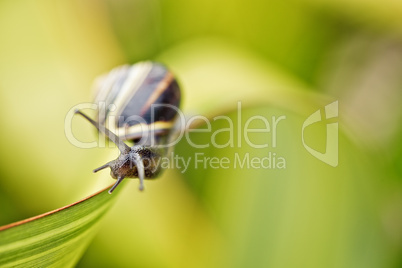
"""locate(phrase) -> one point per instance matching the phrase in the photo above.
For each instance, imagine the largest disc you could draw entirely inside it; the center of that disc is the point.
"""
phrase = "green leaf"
(54, 239)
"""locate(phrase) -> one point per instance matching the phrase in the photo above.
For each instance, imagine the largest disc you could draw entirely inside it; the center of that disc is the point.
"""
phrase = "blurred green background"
(278, 58)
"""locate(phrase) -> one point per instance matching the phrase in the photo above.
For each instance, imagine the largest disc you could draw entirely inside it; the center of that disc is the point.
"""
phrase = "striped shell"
(133, 98)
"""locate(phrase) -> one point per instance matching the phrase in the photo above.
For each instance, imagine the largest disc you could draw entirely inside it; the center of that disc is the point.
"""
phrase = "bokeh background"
(278, 58)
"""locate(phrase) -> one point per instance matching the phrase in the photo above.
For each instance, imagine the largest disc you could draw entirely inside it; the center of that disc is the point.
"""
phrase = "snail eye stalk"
(124, 148)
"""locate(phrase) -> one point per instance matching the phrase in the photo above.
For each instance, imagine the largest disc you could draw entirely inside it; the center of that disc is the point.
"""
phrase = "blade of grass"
(54, 239)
